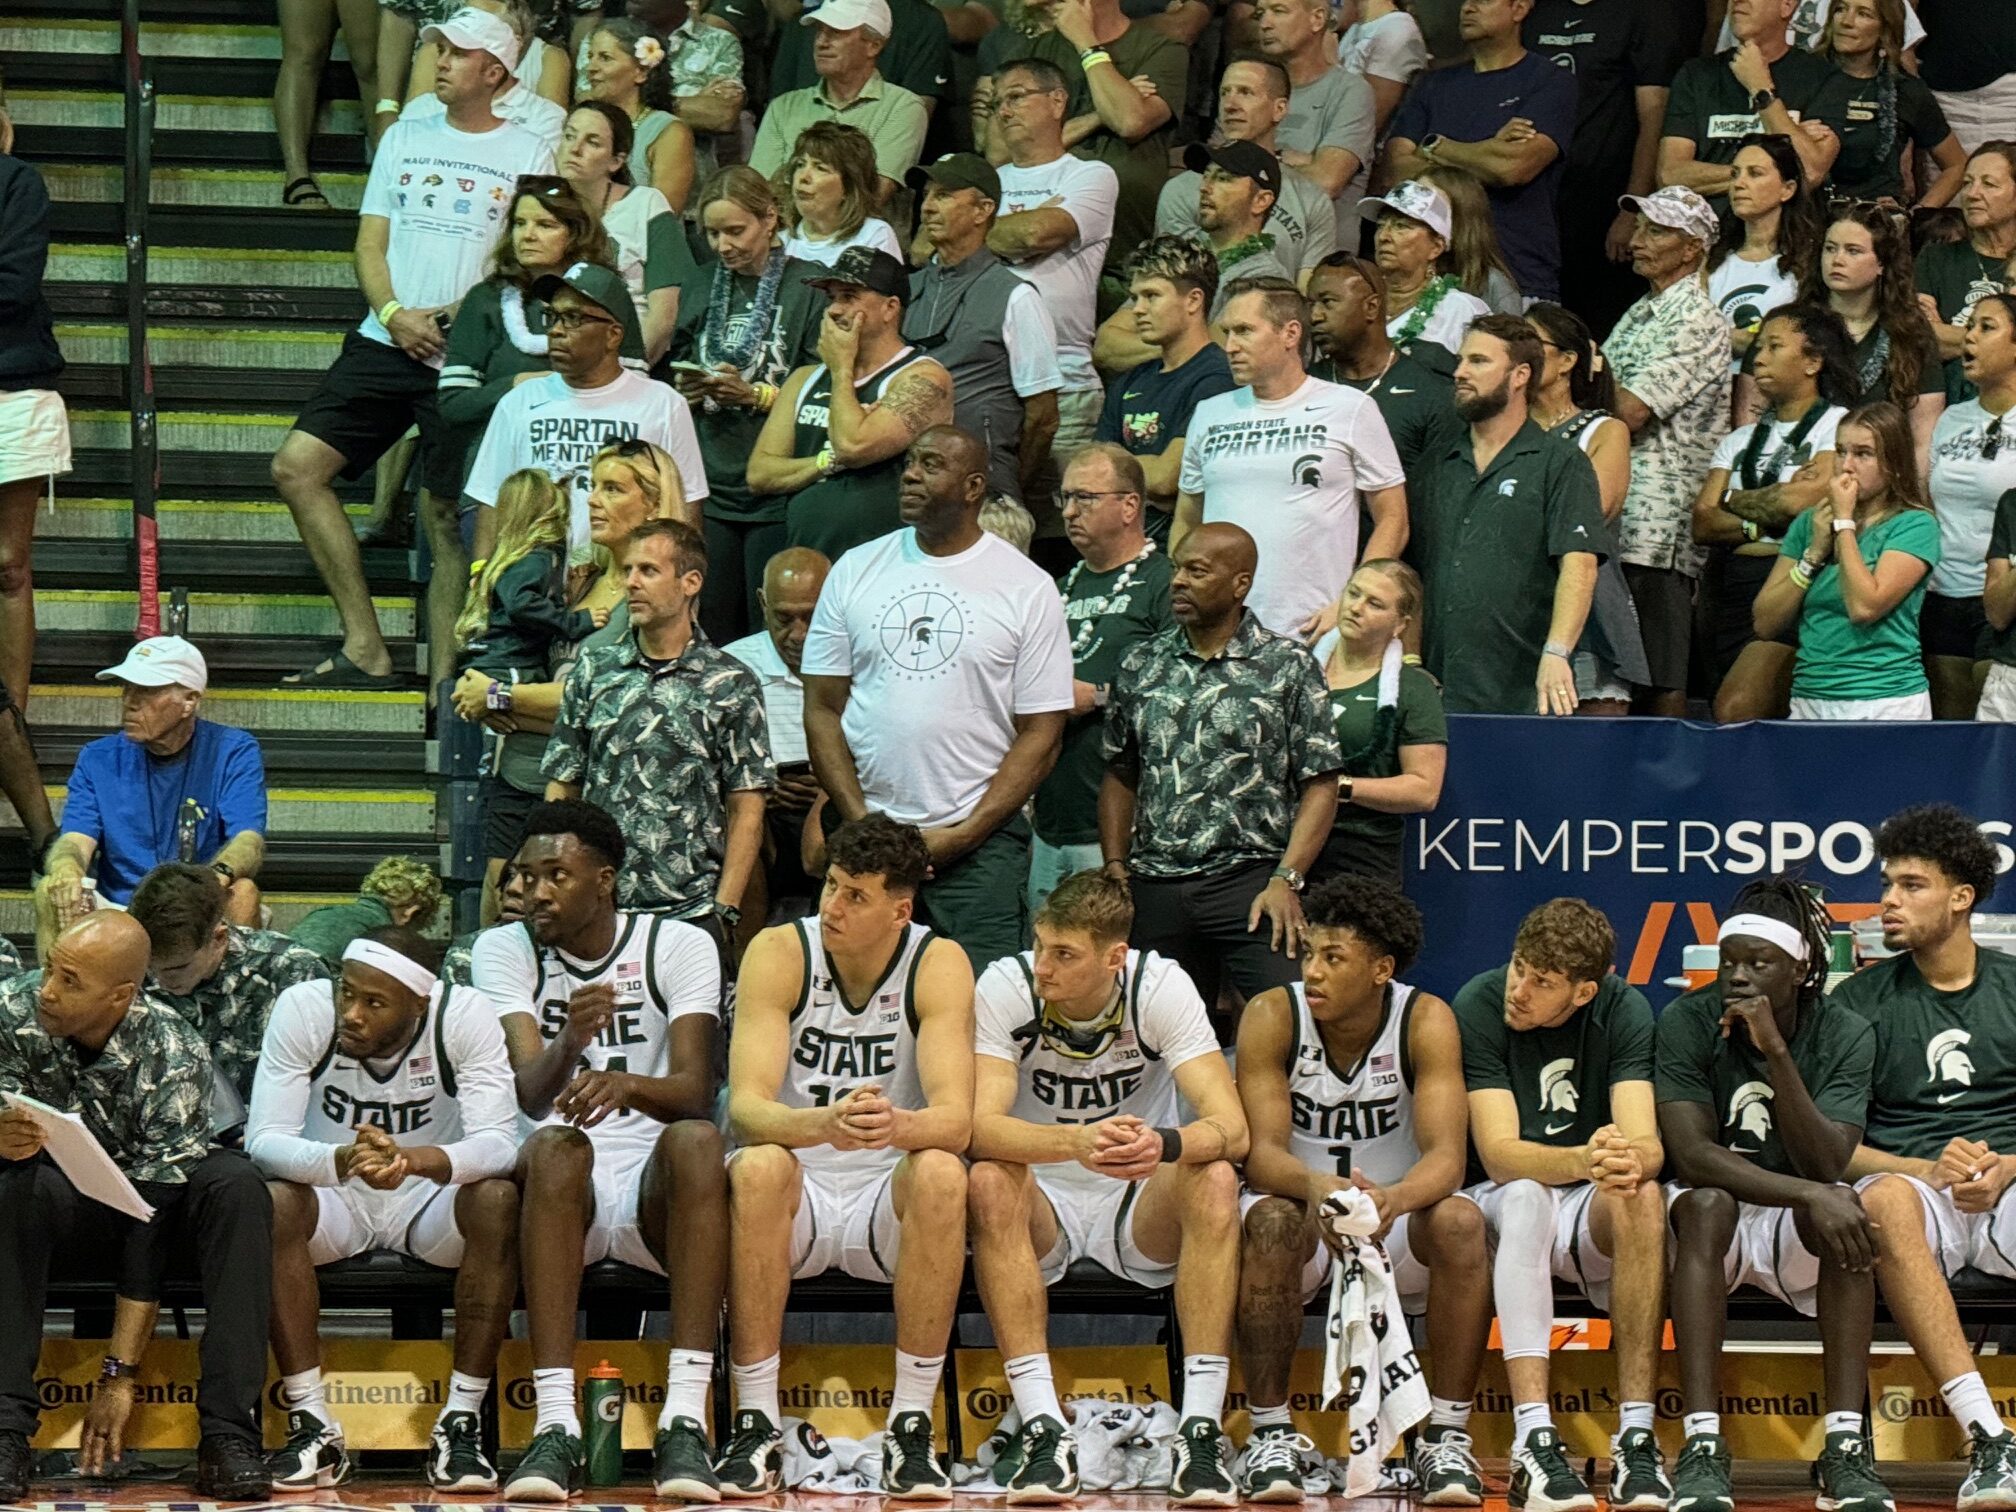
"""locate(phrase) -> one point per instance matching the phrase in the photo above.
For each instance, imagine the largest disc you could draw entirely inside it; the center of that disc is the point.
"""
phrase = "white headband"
(400, 968)
(1784, 936)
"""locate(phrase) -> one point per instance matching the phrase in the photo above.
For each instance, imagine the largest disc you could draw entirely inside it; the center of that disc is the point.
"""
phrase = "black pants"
(1200, 924)
(737, 553)
(220, 1225)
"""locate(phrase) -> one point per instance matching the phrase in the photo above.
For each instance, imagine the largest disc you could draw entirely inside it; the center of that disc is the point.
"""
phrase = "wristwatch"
(730, 914)
(225, 870)
(497, 698)
(1761, 100)
(1841, 525)
(1344, 788)
(113, 1369)
(1295, 880)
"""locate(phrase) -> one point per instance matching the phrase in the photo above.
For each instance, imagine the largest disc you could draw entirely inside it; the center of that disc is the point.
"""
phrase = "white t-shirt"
(1447, 324)
(1289, 472)
(544, 423)
(1746, 292)
(1819, 439)
(873, 232)
(1031, 338)
(521, 105)
(447, 194)
(1965, 488)
(628, 223)
(1068, 279)
(783, 695)
(1388, 48)
(944, 652)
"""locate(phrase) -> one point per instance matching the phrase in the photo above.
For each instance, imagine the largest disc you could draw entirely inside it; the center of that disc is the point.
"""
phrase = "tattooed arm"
(918, 399)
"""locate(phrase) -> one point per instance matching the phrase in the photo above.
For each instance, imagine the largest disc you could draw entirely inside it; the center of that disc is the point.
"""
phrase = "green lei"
(1245, 247)
(1424, 308)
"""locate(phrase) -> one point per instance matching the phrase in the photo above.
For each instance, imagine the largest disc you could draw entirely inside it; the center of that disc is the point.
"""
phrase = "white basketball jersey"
(1361, 1119)
(837, 1045)
(412, 1095)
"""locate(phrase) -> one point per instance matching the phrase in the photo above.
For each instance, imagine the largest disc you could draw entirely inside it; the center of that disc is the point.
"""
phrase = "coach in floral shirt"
(1670, 357)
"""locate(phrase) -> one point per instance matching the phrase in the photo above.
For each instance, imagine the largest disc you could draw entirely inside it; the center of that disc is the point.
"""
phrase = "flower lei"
(1423, 310)
(1083, 637)
(742, 354)
(511, 303)
(1245, 247)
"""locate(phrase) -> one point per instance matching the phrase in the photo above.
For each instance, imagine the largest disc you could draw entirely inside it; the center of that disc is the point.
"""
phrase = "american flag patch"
(1382, 1063)
(1124, 1040)
(421, 1065)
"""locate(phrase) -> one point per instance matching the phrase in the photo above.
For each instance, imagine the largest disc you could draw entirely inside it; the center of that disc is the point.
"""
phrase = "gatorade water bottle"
(602, 1399)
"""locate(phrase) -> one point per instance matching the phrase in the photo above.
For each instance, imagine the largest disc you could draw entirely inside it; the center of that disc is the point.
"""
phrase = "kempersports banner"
(1659, 822)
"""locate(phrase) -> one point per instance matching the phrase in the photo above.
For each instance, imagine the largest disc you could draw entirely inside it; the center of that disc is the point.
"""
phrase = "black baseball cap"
(958, 170)
(866, 268)
(1241, 159)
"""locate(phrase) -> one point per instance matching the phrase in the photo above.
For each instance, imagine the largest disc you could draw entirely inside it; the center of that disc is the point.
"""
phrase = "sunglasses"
(544, 185)
(1991, 440)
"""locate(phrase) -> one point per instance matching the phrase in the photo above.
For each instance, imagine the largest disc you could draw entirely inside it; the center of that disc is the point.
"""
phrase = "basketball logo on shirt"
(921, 631)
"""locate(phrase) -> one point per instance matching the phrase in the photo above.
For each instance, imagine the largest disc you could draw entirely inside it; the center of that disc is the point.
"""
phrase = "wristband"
(1841, 525)
(1410, 660)
(476, 567)
(387, 310)
(1172, 1145)
(826, 462)
(766, 397)
(1751, 530)
(498, 698)
(1801, 576)
(1093, 55)
(1555, 648)
(386, 107)
(112, 1369)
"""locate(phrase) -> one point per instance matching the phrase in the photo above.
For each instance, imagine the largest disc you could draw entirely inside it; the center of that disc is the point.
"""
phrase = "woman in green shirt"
(1389, 722)
(1851, 575)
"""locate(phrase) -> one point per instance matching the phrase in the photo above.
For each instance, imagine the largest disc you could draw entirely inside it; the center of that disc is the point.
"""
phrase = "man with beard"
(1347, 316)
(1508, 534)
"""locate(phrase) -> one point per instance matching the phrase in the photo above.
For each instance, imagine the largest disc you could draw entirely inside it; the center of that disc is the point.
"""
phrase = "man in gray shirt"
(1332, 118)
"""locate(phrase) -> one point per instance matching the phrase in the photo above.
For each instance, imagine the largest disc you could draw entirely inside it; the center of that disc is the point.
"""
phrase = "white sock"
(916, 1384)
(1843, 1422)
(1035, 1389)
(1968, 1400)
(688, 1374)
(466, 1393)
(1634, 1415)
(1270, 1417)
(302, 1392)
(1694, 1424)
(1526, 1417)
(1204, 1379)
(756, 1388)
(1447, 1412)
(554, 1392)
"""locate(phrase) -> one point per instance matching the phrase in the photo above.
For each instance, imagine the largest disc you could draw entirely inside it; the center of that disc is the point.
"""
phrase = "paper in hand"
(77, 1153)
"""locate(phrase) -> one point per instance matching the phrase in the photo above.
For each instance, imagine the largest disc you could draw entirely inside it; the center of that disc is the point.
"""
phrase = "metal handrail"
(145, 442)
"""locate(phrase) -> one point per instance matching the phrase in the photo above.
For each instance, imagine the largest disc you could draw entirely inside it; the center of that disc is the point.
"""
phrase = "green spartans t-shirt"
(1365, 841)
(1958, 277)
(1560, 1077)
(1945, 1061)
(1833, 1051)
(1841, 659)
(1712, 110)
(1417, 403)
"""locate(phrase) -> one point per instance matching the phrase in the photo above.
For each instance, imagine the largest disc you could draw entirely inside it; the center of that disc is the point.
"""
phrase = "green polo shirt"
(1833, 1051)
(892, 117)
(1489, 548)
(1417, 403)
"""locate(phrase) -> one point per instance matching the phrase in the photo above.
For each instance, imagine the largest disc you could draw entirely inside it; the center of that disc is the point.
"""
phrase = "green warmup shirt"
(1560, 1077)
(1841, 659)
(2002, 543)
(328, 931)
(1833, 1050)
(1363, 841)
(1417, 403)
(1945, 1061)
(1958, 278)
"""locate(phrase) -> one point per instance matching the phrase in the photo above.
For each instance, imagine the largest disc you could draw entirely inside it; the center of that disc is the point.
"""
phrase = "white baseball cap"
(165, 661)
(846, 15)
(478, 31)
(1415, 200)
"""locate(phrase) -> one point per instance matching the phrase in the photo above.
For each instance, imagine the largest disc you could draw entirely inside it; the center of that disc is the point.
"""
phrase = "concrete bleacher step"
(213, 188)
(219, 614)
(312, 811)
(95, 706)
(263, 349)
(158, 39)
(208, 434)
(106, 110)
(208, 267)
(213, 520)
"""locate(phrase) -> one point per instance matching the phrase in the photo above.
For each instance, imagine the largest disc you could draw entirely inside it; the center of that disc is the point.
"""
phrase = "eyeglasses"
(1081, 498)
(1017, 96)
(570, 320)
(545, 185)
(1991, 440)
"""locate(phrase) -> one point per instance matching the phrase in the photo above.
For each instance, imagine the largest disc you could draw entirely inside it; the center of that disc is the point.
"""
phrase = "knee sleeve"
(1522, 1271)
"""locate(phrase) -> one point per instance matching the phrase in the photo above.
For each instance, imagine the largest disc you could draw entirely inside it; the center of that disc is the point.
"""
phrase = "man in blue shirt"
(169, 786)
(1505, 119)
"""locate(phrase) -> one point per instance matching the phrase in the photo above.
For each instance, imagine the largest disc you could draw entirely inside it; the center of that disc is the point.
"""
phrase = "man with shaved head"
(937, 682)
(79, 1038)
(1221, 776)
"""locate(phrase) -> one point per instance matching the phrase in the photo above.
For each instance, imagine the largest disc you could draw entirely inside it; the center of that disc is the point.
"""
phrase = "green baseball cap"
(602, 287)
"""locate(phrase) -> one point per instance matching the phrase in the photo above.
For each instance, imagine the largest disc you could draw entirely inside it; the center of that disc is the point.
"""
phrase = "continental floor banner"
(1659, 822)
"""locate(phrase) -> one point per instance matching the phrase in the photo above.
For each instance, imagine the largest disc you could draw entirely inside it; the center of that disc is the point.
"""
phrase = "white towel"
(814, 1462)
(1369, 1365)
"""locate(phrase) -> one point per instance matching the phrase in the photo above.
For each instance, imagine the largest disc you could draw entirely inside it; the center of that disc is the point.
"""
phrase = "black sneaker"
(231, 1469)
(455, 1457)
(1543, 1480)
(1637, 1473)
(312, 1459)
(1701, 1480)
(17, 1466)
(1271, 1468)
(682, 1463)
(1991, 1478)
(1846, 1476)
(553, 1469)
(752, 1461)
(1048, 1471)
(1002, 1455)
(1445, 1468)
(1199, 1477)
(910, 1467)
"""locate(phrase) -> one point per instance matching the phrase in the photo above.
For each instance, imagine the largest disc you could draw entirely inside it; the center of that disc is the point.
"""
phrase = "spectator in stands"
(1393, 739)
(1221, 776)
(219, 976)
(704, 57)
(949, 731)
(1763, 85)
(1973, 466)
(1670, 358)
(1506, 119)
(666, 731)
(1331, 124)
(1998, 605)
(398, 890)
(1383, 45)
(751, 321)
(1427, 309)
(83, 1038)
(626, 67)
(918, 55)
(1969, 59)
(1295, 485)
(1005, 517)
(850, 37)
(1509, 534)
(34, 427)
(1172, 285)
(456, 963)
(647, 241)
(1115, 597)
(406, 73)
(1347, 319)
(518, 98)
(1623, 58)
(985, 323)
(1851, 577)
(307, 27)
(560, 421)
(1891, 116)
(420, 248)
(1056, 227)
(1771, 237)
(1474, 255)
(791, 583)
(21, 781)
(830, 187)
(836, 437)
(1953, 276)
(169, 785)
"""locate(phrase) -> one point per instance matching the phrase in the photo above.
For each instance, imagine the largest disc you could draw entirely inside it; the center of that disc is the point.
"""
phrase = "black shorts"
(1665, 600)
(367, 400)
(1733, 583)
(505, 810)
(1953, 627)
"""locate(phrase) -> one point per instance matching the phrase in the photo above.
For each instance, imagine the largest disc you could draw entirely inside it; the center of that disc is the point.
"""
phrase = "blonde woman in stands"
(1474, 255)
(645, 236)
(827, 190)
(627, 67)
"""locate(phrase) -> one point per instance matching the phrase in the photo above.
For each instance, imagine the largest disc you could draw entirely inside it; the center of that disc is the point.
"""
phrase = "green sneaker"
(752, 1462)
(1445, 1469)
(1048, 1471)
(682, 1463)
(1637, 1473)
(1199, 1477)
(553, 1469)
(1002, 1455)
(1991, 1479)
(1543, 1480)
(910, 1467)
(1846, 1476)
(1701, 1476)
(313, 1458)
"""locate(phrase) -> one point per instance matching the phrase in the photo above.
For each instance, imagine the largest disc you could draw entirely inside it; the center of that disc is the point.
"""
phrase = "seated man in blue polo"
(169, 786)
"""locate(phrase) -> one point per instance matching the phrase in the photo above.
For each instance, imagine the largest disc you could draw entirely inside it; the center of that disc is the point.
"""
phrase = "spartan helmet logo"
(1750, 1116)
(1946, 1057)
(1308, 470)
(1557, 1090)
